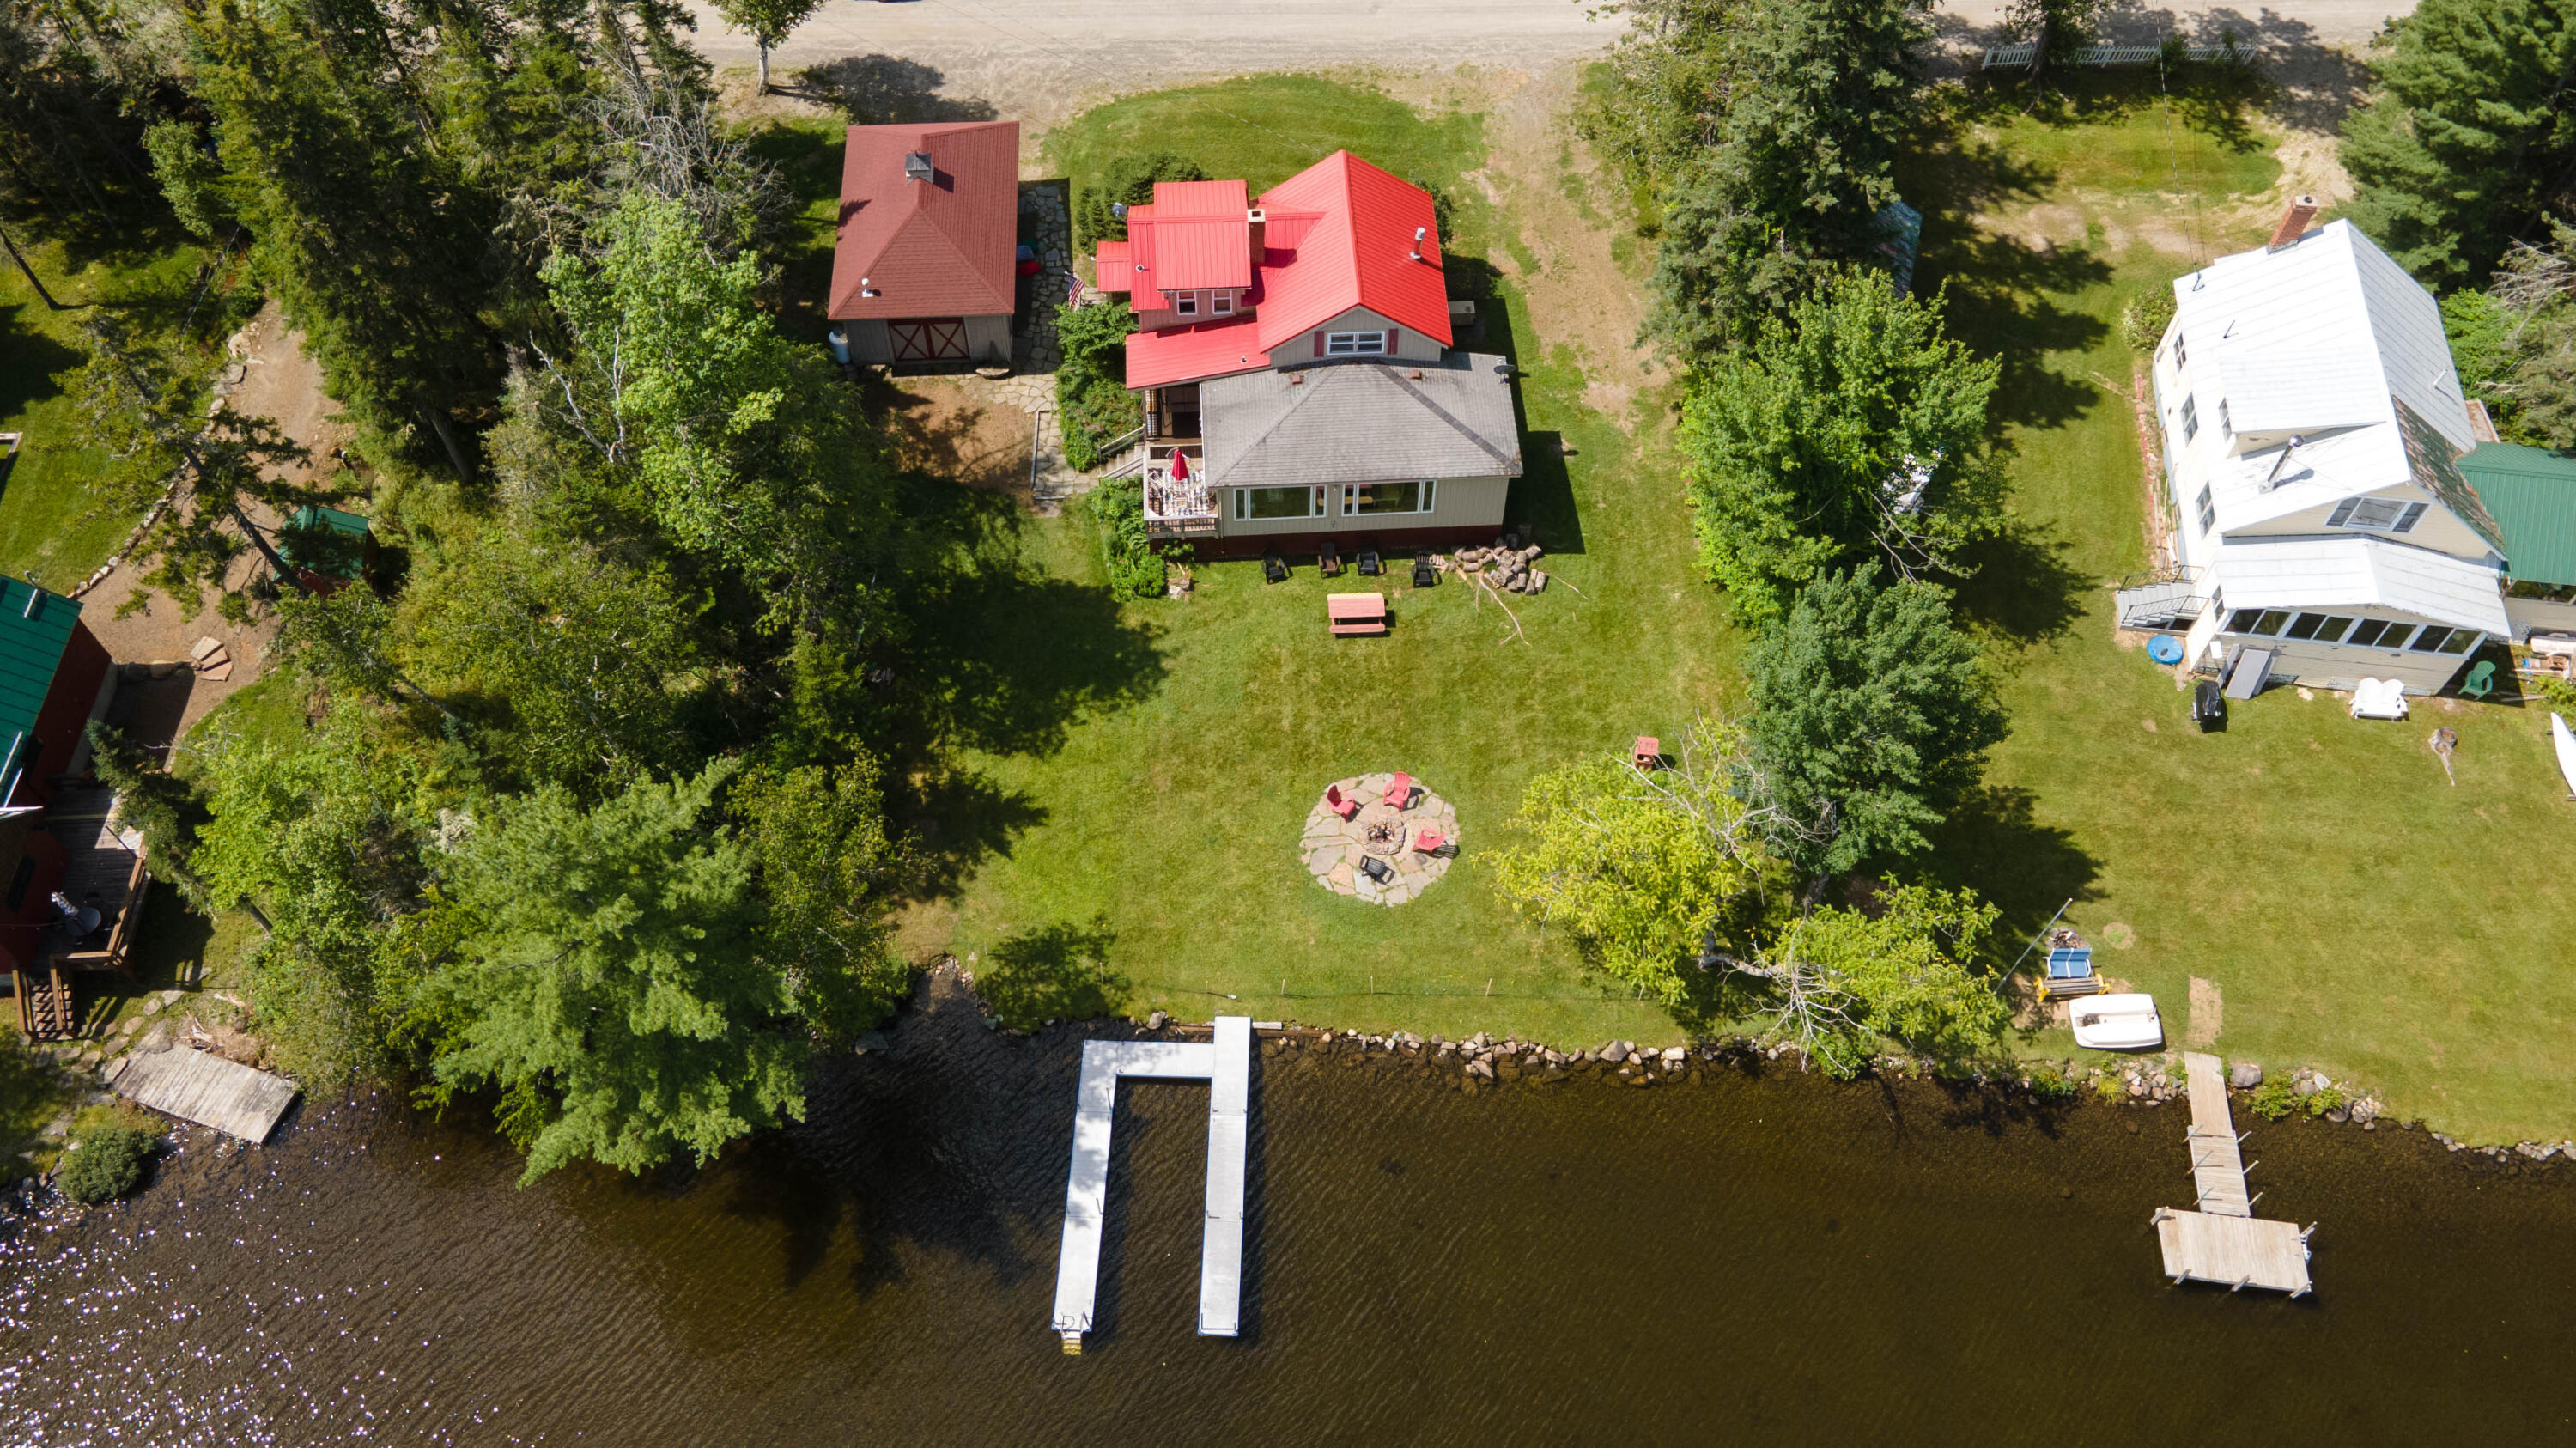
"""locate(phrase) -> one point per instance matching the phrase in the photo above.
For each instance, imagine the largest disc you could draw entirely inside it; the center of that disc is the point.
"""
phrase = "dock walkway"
(203, 1087)
(2224, 1242)
(1226, 1064)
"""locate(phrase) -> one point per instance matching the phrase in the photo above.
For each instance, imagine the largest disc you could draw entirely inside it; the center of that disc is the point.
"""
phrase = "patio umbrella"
(1180, 467)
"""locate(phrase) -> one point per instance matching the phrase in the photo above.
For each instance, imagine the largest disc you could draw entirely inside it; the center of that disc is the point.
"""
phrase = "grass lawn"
(46, 532)
(2354, 911)
(1168, 807)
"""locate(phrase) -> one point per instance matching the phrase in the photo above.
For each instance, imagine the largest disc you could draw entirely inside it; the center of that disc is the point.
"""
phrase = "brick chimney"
(1259, 221)
(2294, 222)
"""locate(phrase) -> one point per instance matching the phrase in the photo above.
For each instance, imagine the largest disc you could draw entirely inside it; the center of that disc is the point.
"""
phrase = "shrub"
(1129, 179)
(1092, 405)
(107, 1164)
(2273, 1100)
(1135, 569)
(2327, 1098)
(2050, 1084)
(2144, 319)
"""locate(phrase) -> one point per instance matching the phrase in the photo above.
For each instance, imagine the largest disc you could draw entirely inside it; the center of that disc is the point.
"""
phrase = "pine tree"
(2470, 139)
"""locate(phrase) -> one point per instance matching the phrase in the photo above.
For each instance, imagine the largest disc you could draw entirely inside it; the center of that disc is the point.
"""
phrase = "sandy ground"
(277, 380)
(1042, 60)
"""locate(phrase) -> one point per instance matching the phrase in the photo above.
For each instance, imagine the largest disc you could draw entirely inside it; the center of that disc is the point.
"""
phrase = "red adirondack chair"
(1399, 791)
(1429, 841)
(1340, 803)
(1649, 752)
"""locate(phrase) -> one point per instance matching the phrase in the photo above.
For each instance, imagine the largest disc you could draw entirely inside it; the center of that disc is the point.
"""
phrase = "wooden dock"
(2224, 1242)
(203, 1087)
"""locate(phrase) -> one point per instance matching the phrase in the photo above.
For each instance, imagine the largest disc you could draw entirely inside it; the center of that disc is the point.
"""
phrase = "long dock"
(2224, 1242)
(203, 1087)
(1226, 1064)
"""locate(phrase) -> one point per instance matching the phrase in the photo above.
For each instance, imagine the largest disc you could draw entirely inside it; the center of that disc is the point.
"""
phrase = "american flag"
(1073, 290)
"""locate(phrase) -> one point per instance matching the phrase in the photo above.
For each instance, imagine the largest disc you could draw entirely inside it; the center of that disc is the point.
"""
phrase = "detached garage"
(923, 272)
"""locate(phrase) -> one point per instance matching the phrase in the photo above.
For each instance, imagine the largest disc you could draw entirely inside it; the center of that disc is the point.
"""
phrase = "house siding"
(1411, 345)
(988, 341)
(2439, 529)
(2341, 666)
(1457, 503)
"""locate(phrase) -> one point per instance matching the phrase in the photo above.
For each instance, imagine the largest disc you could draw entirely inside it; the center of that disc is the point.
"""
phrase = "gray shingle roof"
(1361, 422)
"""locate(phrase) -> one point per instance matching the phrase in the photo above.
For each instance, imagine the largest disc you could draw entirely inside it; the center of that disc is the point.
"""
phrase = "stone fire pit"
(1338, 851)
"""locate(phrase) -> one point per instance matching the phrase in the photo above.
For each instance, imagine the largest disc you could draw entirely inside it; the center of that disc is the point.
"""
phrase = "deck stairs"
(2165, 599)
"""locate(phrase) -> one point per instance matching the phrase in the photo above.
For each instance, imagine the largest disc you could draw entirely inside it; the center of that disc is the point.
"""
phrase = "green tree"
(611, 986)
(1853, 429)
(1666, 91)
(165, 809)
(189, 174)
(1872, 715)
(1818, 97)
(767, 22)
(1833, 982)
(817, 835)
(1649, 870)
(107, 1164)
(2515, 344)
(588, 661)
(2468, 139)
(1127, 180)
(322, 836)
(2057, 30)
(743, 446)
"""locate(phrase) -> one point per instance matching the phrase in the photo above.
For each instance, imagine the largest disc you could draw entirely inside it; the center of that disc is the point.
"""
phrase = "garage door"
(928, 339)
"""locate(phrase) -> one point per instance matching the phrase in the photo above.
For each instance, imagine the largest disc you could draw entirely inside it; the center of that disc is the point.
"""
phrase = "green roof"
(325, 540)
(35, 626)
(2531, 494)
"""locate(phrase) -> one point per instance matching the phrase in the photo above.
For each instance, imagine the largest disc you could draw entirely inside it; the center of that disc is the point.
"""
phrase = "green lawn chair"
(2480, 682)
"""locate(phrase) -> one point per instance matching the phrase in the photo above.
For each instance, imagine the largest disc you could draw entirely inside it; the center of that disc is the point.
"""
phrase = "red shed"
(924, 270)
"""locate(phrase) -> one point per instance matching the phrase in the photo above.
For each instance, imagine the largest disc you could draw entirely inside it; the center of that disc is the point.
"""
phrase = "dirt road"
(1041, 60)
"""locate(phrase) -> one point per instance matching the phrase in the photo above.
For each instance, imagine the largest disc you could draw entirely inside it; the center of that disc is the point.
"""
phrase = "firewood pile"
(1513, 570)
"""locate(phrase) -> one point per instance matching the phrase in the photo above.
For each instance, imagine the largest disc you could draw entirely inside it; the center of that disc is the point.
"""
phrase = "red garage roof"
(941, 247)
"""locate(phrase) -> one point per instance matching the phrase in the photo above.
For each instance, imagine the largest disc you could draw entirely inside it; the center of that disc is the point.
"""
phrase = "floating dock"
(203, 1087)
(1225, 1063)
(2224, 1242)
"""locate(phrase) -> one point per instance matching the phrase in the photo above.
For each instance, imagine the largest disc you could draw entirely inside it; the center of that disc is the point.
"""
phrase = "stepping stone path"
(1333, 847)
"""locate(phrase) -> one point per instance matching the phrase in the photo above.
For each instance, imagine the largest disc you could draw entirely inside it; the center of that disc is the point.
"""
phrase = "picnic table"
(1356, 613)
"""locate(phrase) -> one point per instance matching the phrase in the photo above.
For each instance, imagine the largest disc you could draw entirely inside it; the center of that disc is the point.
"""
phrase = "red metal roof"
(1200, 234)
(1188, 354)
(1357, 252)
(936, 248)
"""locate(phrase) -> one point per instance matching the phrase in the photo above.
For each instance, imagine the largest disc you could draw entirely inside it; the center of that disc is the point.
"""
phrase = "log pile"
(1513, 570)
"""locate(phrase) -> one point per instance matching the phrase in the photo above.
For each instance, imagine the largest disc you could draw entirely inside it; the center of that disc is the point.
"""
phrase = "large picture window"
(1354, 344)
(1253, 504)
(2379, 633)
(1365, 499)
(2264, 622)
(2437, 640)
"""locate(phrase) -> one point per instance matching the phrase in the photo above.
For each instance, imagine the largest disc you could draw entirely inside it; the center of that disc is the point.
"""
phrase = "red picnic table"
(1356, 613)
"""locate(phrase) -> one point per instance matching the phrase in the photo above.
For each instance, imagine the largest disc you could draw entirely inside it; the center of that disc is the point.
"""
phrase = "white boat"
(2117, 1023)
(2565, 743)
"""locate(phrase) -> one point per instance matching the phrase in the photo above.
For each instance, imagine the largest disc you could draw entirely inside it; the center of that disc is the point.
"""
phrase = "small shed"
(925, 269)
(326, 546)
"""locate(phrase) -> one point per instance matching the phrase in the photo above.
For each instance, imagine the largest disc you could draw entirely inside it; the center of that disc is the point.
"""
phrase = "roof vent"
(916, 166)
(1420, 234)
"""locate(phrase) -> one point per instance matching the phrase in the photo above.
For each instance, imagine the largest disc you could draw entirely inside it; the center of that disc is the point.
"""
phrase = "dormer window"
(1186, 303)
(2378, 515)
(1222, 304)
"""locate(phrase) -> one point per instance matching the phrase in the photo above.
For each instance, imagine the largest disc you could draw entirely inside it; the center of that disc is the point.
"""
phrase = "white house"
(2313, 430)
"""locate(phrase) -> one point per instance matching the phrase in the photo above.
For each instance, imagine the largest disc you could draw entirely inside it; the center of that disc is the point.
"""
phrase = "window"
(2330, 630)
(1222, 304)
(1186, 303)
(1368, 498)
(2436, 639)
(2368, 632)
(2263, 622)
(2305, 626)
(2226, 427)
(2207, 509)
(1354, 344)
(2179, 359)
(2190, 418)
(1257, 503)
(2382, 515)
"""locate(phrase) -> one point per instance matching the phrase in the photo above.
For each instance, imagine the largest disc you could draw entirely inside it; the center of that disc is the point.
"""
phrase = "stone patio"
(1334, 847)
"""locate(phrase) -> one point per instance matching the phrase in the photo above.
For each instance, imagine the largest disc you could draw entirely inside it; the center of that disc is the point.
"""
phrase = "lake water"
(1738, 1258)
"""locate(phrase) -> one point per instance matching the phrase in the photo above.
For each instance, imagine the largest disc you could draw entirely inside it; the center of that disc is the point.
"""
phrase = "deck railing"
(1177, 509)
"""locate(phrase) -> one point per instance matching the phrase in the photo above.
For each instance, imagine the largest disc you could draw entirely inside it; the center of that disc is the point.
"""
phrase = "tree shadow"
(1542, 497)
(953, 821)
(31, 363)
(2019, 584)
(875, 90)
(1051, 973)
(1995, 844)
(2000, 298)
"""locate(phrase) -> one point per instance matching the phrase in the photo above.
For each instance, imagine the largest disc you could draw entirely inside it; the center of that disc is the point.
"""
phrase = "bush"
(1129, 179)
(2144, 319)
(107, 1164)
(1135, 569)
(2273, 1100)
(1092, 404)
(2050, 1084)
(2327, 1098)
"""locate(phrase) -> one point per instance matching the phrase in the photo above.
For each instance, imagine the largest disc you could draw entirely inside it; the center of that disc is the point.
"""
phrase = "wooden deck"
(203, 1087)
(2224, 1242)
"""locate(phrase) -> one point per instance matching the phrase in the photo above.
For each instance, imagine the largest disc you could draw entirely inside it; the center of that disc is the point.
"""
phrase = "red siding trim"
(1319, 344)
(1392, 333)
